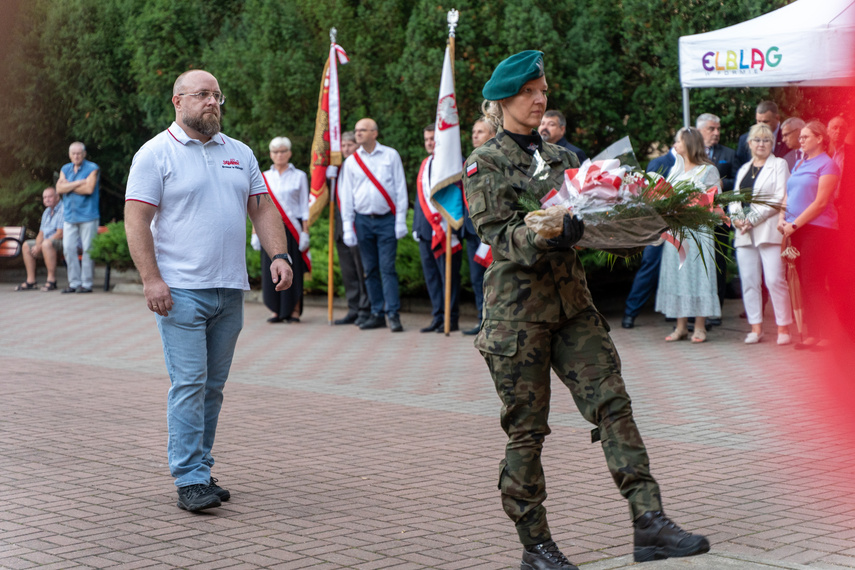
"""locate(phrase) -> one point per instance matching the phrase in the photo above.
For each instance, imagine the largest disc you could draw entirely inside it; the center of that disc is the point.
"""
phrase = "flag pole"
(333, 190)
(330, 280)
(452, 18)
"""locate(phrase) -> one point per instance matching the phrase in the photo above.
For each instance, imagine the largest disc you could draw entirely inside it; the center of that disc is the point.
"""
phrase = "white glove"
(332, 171)
(401, 229)
(304, 241)
(415, 236)
(255, 242)
(349, 238)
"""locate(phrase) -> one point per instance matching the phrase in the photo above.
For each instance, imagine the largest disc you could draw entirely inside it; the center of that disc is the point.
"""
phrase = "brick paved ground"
(349, 449)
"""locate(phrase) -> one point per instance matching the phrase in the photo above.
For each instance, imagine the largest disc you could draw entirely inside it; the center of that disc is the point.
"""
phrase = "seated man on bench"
(48, 244)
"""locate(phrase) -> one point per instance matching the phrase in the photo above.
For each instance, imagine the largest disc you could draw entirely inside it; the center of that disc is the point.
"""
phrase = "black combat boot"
(545, 556)
(657, 537)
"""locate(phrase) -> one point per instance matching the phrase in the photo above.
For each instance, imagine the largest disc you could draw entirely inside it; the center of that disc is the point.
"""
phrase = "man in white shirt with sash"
(189, 191)
(374, 203)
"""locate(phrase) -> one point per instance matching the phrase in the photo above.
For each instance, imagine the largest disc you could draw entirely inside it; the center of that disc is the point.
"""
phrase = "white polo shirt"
(201, 192)
(358, 194)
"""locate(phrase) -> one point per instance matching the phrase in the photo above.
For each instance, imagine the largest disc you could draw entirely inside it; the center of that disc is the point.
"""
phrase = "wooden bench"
(11, 240)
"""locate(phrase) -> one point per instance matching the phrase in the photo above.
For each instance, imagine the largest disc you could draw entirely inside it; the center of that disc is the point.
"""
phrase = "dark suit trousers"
(353, 276)
(434, 271)
(476, 273)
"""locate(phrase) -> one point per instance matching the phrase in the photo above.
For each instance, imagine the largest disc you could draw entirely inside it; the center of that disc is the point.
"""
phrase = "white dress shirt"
(291, 189)
(358, 194)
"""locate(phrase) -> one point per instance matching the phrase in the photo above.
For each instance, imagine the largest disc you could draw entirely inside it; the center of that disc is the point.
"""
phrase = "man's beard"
(207, 124)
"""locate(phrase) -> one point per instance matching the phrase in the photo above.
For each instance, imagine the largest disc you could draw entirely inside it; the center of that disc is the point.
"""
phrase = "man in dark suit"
(647, 276)
(727, 164)
(766, 113)
(722, 156)
(433, 267)
(552, 128)
(790, 131)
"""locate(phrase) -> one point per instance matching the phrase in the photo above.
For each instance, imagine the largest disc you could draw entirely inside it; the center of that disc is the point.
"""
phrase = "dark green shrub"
(112, 248)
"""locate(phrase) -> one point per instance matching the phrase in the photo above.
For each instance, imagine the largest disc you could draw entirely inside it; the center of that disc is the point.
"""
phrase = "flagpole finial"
(333, 34)
(453, 17)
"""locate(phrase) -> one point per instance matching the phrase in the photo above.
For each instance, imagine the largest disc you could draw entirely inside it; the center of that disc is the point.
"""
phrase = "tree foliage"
(101, 71)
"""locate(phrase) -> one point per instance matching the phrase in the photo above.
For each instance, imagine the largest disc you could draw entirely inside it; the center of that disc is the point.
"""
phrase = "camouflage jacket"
(527, 281)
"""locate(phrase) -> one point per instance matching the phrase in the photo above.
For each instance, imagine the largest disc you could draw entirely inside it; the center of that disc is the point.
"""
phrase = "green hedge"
(111, 248)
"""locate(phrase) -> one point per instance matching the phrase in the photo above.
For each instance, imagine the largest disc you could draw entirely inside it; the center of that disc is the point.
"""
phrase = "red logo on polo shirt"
(232, 163)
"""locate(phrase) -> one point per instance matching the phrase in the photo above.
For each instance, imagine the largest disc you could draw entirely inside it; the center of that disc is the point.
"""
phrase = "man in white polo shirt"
(374, 203)
(189, 191)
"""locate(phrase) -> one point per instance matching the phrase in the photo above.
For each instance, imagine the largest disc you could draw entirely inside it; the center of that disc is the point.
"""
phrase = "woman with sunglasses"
(810, 223)
(757, 241)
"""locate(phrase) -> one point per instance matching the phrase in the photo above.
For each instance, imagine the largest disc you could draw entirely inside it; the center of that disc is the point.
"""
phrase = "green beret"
(510, 75)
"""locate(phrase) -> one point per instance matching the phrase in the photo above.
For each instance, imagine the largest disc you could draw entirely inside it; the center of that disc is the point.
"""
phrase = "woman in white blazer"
(758, 241)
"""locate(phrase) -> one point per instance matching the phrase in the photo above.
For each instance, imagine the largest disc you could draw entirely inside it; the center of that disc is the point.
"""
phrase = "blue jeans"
(378, 247)
(645, 280)
(199, 338)
(72, 236)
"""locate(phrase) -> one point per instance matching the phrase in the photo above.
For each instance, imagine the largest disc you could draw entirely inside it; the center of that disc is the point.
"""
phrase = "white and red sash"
(289, 223)
(434, 218)
(374, 181)
(484, 253)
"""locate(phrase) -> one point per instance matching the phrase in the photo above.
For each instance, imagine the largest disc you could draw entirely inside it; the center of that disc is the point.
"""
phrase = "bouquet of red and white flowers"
(625, 209)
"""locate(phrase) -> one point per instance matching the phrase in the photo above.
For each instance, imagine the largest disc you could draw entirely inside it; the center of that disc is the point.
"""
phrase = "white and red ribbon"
(289, 223)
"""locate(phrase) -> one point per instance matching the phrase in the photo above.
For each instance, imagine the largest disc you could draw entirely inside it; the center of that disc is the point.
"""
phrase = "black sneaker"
(657, 537)
(473, 331)
(197, 498)
(85, 290)
(375, 321)
(218, 491)
(545, 556)
(452, 327)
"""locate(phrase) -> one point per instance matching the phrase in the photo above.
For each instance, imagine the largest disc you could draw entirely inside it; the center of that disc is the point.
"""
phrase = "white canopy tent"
(808, 42)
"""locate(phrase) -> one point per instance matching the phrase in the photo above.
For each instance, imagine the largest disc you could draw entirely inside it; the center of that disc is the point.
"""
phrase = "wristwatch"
(284, 256)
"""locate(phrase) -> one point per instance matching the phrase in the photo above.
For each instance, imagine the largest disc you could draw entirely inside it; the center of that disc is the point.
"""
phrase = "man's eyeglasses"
(205, 95)
(761, 141)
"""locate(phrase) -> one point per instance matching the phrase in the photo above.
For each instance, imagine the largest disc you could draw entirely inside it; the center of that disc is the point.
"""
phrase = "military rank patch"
(472, 169)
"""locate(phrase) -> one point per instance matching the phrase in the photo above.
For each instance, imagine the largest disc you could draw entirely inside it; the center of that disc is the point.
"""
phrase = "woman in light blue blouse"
(810, 221)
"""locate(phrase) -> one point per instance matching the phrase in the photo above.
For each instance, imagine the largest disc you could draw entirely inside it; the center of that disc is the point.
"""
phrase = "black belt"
(375, 215)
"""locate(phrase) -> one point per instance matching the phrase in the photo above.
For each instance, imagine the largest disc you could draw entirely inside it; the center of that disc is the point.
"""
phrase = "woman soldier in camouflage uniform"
(538, 314)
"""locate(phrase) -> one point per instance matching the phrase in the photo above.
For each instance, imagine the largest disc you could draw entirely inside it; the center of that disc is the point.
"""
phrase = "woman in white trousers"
(757, 241)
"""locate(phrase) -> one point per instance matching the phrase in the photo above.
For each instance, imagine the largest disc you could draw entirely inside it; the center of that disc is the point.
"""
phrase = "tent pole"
(686, 119)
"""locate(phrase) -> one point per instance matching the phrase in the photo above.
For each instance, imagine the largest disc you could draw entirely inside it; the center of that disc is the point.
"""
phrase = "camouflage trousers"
(582, 354)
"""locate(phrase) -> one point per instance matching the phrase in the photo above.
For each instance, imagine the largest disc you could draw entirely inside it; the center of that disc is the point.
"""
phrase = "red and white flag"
(326, 144)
